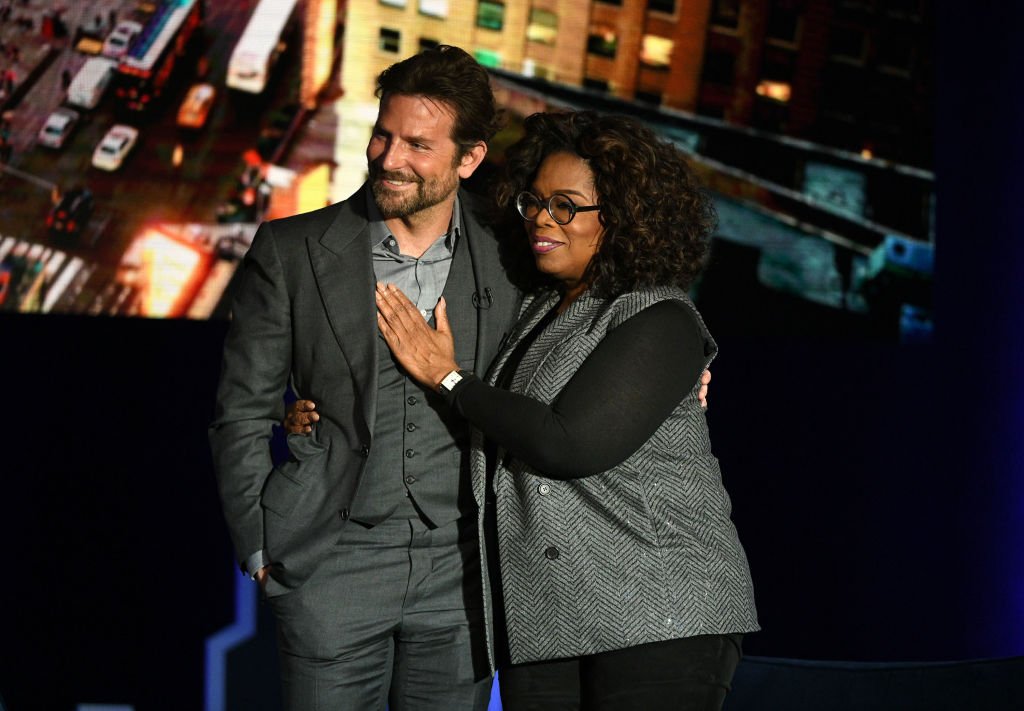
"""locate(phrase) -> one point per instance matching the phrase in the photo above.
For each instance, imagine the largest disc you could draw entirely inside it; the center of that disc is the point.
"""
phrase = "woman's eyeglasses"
(561, 208)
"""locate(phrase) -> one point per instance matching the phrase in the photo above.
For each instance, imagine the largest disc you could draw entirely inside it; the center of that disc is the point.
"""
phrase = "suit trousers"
(394, 616)
(687, 674)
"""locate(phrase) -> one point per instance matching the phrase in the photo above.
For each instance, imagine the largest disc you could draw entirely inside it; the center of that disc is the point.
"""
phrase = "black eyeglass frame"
(573, 207)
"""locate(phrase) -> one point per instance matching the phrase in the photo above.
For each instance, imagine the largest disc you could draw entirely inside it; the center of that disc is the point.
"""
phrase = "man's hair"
(448, 75)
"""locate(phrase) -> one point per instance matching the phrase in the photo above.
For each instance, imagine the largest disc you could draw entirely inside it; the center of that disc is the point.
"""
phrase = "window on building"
(725, 13)
(719, 68)
(531, 68)
(427, 43)
(543, 27)
(848, 44)
(903, 8)
(648, 97)
(490, 15)
(600, 85)
(774, 90)
(853, 11)
(666, 6)
(777, 66)
(602, 41)
(656, 52)
(844, 90)
(393, 3)
(434, 8)
(390, 40)
(769, 116)
(784, 24)
(488, 57)
(894, 52)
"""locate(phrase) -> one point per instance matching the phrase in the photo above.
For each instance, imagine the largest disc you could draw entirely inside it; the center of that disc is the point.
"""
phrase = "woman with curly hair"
(615, 577)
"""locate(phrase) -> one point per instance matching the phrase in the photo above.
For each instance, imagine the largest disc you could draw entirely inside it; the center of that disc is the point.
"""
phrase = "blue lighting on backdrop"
(220, 644)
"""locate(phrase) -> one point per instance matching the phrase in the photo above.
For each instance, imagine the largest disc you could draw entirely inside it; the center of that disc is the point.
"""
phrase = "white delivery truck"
(87, 88)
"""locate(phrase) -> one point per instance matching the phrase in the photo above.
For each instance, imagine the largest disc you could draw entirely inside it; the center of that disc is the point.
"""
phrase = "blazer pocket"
(288, 483)
(305, 446)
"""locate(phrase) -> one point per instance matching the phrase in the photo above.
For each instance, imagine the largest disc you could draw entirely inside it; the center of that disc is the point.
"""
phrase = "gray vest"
(418, 464)
(641, 553)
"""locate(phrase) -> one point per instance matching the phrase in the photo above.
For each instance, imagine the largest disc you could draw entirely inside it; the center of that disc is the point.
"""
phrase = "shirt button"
(551, 553)
(411, 400)
(544, 489)
(410, 479)
(410, 427)
(410, 453)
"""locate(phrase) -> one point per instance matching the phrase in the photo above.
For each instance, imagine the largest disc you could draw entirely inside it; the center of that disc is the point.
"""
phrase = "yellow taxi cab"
(196, 107)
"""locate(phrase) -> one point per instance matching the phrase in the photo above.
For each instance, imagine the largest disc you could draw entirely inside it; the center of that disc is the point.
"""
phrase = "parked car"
(115, 146)
(195, 109)
(58, 127)
(71, 213)
(120, 39)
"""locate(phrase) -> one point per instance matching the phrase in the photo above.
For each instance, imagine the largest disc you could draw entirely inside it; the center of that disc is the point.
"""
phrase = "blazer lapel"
(343, 267)
(495, 299)
(534, 308)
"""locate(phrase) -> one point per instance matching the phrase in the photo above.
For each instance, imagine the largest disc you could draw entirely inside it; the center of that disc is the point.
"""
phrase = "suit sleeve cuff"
(254, 562)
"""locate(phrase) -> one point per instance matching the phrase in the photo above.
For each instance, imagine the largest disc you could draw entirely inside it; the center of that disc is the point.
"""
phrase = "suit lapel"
(343, 267)
(495, 299)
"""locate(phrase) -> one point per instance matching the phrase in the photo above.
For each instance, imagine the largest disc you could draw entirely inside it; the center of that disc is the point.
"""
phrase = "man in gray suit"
(364, 541)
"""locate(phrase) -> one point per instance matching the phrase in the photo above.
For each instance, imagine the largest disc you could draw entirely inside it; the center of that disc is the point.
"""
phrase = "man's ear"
(472, 159)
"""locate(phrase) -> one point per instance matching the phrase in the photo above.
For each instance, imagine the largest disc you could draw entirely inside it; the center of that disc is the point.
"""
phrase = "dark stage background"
(876, 487)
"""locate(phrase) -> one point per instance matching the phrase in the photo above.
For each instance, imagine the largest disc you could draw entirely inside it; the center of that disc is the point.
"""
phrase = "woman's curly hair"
(657, 219)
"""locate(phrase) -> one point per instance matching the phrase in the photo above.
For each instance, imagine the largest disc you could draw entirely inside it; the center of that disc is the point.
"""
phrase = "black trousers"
(688, 674)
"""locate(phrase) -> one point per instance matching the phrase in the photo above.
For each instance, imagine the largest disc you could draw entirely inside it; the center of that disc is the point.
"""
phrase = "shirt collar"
(380, 234)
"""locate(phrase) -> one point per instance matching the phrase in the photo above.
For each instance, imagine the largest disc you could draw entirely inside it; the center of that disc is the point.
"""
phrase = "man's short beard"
(428, 193)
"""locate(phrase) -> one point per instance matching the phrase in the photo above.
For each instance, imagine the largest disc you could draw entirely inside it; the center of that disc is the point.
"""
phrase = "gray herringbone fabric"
(641, 553)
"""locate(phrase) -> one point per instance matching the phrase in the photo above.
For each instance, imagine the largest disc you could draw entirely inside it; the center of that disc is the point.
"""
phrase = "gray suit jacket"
(304, 311)
(641, 553)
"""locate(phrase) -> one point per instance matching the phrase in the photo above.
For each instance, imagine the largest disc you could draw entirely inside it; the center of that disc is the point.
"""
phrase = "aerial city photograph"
(143, 142)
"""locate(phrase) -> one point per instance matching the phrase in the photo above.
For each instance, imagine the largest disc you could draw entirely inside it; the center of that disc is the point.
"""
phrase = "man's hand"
(261, 576)
(702, 395)
(300, 417)
(427, 354)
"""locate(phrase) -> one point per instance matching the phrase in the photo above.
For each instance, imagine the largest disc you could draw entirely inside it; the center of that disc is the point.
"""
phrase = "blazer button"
(544, 489)
(364, 451)
(344, 514)
(551, 553)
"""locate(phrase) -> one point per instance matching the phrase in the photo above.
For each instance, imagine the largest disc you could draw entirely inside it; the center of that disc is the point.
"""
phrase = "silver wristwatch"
(449, 381)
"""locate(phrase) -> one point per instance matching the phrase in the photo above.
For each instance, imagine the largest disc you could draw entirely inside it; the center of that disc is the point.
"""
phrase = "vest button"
(410, 427)
(410, 453)
(410, 479)
(544, 489)
(551, 553)
(411, 400)
(344, 514)
(364, 450)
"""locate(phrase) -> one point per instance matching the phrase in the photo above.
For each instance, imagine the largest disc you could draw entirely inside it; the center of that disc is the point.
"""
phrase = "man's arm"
(257, 360)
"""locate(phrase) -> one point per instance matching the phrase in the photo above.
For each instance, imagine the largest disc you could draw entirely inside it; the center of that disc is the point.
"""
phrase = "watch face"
(451, 380)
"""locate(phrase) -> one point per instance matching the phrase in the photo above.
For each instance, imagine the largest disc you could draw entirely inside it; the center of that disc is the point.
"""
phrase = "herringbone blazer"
(641, 553)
